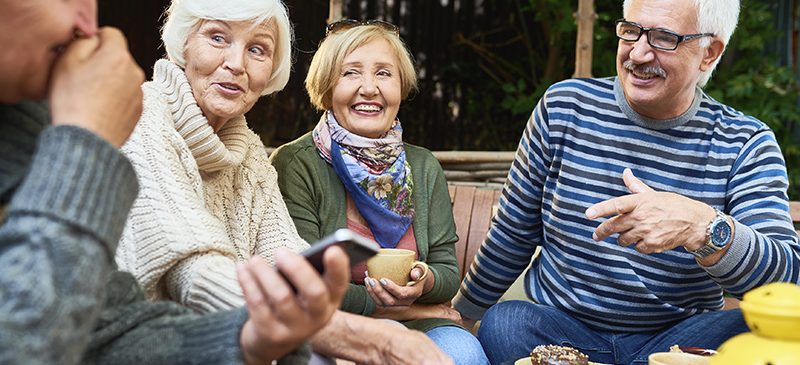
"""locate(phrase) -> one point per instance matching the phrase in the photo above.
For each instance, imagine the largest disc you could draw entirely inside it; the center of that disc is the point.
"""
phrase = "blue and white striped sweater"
(580, 138)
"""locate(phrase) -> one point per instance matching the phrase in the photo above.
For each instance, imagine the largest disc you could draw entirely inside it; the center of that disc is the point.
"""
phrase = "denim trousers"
(510, 330)
(459, 344)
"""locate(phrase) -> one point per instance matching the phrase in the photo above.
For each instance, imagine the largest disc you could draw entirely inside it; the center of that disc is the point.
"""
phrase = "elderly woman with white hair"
(209, 197)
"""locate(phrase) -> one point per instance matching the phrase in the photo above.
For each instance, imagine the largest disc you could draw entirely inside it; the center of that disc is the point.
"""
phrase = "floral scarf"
(374, 172)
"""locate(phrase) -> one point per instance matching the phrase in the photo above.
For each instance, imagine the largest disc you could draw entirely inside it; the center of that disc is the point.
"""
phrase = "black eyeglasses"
(344, 24)
(656, 37)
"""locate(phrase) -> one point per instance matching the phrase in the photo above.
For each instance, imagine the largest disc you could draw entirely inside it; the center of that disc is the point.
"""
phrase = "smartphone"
(357, 247)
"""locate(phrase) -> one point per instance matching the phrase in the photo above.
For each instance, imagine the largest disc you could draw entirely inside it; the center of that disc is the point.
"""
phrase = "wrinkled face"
(661, 84)
(228, 65)
(34, 32)
(367, 95)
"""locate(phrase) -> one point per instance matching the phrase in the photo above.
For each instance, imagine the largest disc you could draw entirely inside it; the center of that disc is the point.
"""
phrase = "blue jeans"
(459, 344)
(509, 330)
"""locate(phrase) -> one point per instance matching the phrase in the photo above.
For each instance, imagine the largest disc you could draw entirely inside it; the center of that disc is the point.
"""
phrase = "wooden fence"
(459, 47)
(483, 168)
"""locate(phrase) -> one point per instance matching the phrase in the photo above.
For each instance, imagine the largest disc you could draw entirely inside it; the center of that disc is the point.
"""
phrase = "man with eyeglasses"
(648, 200)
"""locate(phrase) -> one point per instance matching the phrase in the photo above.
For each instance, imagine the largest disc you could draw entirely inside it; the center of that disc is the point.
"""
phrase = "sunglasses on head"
(345, 24)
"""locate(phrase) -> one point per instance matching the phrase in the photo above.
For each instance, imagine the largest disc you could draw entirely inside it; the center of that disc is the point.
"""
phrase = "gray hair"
(713, 16)
(183, 16)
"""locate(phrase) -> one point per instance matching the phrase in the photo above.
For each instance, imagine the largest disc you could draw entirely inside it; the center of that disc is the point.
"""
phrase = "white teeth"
(645, 72)
(643, 75)
(367, 108)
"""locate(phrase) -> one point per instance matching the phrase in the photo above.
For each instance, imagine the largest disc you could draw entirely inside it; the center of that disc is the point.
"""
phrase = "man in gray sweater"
(65, 192)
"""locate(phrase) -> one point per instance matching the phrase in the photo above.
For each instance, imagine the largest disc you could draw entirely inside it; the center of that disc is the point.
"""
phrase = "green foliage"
(750, 79)
(516, 97)
(523, 55)
(518, 57)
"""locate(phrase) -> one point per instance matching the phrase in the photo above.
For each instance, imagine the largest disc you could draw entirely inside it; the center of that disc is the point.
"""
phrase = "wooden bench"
(474, 207)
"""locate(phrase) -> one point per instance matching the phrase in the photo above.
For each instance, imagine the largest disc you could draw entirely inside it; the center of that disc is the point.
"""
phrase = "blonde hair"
(323, 72)
(184, 16)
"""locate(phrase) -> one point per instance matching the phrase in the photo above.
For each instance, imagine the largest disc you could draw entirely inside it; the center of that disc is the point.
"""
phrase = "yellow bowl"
(750, 349)
(773, 311)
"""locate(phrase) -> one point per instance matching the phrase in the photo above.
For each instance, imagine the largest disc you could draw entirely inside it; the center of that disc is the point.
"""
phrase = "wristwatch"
(719, 233)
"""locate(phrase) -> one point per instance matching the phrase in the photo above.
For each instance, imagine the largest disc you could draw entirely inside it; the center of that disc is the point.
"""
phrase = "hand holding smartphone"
(357, 247)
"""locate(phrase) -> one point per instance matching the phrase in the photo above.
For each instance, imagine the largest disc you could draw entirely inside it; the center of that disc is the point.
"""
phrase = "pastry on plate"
(557, 355)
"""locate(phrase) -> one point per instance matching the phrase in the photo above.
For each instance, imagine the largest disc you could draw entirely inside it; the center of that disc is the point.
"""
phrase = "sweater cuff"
(78, 177)
(356, 300)
(743, 240)
(222, 344)
(467, 308)
(219, 341)
(431, 295)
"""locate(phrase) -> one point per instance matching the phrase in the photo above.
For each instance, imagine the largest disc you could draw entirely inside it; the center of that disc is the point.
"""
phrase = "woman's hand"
(387, 293)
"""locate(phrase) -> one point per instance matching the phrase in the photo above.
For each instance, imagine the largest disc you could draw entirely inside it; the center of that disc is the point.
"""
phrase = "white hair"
(183, 16)
(713, 16)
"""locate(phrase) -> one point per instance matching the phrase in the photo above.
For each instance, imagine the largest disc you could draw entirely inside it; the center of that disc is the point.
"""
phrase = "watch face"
(720, 233)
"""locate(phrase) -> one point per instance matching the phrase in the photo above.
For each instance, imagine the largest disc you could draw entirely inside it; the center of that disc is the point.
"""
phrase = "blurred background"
(483, 64)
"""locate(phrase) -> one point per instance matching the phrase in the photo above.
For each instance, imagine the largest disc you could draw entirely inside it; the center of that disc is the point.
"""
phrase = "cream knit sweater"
(207, 201)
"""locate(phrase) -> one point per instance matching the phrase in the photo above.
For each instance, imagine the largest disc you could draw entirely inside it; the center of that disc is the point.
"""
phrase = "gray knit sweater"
(66, 194)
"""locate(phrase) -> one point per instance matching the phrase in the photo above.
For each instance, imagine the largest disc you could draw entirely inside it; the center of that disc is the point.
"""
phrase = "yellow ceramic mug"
(395, 264)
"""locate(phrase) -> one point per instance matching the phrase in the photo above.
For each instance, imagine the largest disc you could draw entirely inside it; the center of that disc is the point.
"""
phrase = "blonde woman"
(353, 170)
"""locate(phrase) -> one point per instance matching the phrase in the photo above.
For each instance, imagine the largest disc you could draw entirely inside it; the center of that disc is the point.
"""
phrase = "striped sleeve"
(516, 230)
(765, 247)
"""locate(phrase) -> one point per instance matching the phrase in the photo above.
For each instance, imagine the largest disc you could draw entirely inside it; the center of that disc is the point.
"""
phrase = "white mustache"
(631, 66)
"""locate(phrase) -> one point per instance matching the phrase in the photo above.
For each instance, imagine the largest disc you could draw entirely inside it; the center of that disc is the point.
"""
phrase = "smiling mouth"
(644, 72)
(643, 75)
(367, 108)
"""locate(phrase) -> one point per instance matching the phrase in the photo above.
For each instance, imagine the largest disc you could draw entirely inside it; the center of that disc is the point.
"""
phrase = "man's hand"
(652, 221)
(96, 85)
(288, 303)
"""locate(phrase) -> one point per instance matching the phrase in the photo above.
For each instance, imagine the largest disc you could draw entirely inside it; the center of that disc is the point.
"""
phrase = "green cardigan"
(316, 201)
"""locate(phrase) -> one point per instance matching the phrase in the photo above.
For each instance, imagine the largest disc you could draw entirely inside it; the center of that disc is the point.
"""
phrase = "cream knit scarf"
(213, 151)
